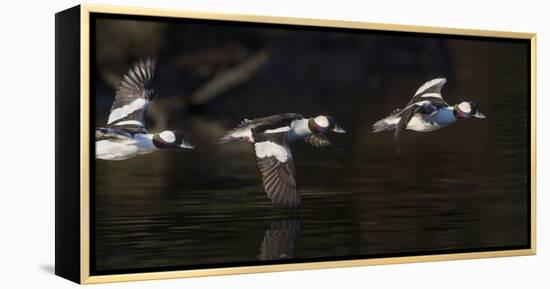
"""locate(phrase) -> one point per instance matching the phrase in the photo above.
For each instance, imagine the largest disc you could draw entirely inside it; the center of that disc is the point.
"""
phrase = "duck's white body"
(121, 149)
(422, 122)
(427, 122)
(299, 129)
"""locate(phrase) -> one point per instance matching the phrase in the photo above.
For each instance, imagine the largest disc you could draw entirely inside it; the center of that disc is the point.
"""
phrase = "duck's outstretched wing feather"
(133, 95)
(278, 172)
(319, 140)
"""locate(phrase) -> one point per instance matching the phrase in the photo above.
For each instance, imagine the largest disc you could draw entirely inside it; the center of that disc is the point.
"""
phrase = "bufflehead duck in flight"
(270, 136)
(125, 135)
(427, 111)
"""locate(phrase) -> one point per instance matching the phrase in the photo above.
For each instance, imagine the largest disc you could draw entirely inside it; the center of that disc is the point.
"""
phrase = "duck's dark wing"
(278, 173)
(260, 125)
(431, 91)
(132, 97)
(111, 133)
(321, 141)
(279, 240)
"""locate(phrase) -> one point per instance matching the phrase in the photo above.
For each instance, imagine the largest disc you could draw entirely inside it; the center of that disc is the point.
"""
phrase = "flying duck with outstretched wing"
(125, 135)
(271, 136)
(427, 111)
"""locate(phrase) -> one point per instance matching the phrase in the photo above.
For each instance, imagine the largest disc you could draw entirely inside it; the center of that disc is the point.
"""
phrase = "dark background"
(461, 188)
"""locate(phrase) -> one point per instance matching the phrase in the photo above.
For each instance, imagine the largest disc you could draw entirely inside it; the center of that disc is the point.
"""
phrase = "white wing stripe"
(271, 149)
(429, 84)
(433, 94)
(130, 122)
(281, 129)
(127, 109)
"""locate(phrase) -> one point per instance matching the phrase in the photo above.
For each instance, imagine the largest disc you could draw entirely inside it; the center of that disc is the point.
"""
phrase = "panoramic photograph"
(222, 144)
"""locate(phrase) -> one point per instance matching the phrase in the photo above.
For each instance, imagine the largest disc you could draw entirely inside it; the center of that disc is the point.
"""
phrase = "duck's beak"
(186, 145)
(338, 129)
(479, 115)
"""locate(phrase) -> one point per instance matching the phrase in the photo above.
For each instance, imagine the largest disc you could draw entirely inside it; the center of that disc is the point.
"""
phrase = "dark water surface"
(460, 188)
(452, 189)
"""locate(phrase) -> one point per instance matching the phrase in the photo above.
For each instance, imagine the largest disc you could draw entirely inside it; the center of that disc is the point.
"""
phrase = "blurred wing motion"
(229, 78)
(133, 95)
(278, 173)
(321, 141)
(279, 240)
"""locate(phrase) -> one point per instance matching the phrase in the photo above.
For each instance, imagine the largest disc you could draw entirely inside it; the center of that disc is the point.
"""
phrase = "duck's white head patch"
(168, 136)
(322, 121)
(465, 107)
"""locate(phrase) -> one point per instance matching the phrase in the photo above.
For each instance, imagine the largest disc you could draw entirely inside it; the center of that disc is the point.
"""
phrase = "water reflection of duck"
(125, 135)
(278, 242)
(270, 136)
(427, 111)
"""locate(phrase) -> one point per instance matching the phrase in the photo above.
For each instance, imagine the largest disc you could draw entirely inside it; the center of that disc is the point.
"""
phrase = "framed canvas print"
(194, 144)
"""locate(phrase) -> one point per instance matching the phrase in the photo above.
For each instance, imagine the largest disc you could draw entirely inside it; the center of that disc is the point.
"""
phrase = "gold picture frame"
(66, 264)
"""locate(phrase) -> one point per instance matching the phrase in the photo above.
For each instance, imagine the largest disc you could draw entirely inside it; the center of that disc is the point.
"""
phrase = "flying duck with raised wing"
(270, 136)
(427, 111)
(125, 135)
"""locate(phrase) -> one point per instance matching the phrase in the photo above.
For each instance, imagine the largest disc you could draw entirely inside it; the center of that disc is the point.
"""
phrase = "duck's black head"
(324, 124)
(171, 139)
(467, 109)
